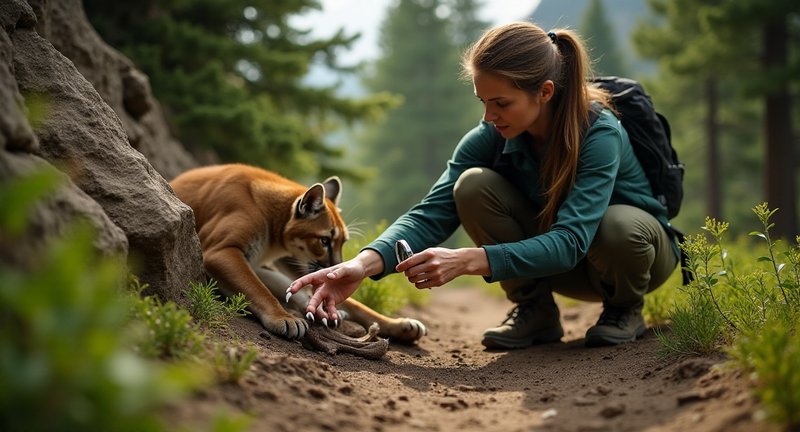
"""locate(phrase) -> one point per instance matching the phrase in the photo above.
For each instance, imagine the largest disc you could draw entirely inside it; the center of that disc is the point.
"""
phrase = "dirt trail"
(449, 382)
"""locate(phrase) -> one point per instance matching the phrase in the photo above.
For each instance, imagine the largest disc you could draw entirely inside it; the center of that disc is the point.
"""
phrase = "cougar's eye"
(325, 241)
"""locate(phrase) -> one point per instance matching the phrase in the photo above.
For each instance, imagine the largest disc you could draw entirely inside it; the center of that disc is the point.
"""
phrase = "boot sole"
(600, 339)
(540, 337)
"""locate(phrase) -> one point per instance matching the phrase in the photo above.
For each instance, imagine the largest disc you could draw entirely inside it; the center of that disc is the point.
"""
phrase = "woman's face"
(511, 109)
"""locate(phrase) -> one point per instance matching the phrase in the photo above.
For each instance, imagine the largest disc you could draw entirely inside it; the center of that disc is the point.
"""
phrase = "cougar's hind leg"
(406, 330)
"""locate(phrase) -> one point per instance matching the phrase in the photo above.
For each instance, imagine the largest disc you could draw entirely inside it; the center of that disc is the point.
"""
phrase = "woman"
(552, 203)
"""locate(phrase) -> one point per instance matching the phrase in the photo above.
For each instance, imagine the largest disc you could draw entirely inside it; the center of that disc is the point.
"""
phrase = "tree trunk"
(780, 167)
(713, 182)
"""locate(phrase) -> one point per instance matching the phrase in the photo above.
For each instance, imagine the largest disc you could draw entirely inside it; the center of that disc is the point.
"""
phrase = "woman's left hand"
(435, 267)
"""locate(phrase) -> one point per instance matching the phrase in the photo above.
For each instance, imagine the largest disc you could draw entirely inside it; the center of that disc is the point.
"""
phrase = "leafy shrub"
(169, 332)
(773, 354)
(750, 306)
(64, 359)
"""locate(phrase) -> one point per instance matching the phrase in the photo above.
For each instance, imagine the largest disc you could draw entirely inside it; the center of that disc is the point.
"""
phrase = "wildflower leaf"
(764, 258)
(758, 234)
(780, 267)
(722, 273)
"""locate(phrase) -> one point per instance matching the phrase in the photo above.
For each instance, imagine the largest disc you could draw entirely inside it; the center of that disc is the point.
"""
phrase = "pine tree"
(714, 48)
(759, 34)
(420, 61)
(599, 35)
(229, 73)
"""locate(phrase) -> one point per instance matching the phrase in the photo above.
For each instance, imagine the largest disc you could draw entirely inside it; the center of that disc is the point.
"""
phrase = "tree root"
(330, 341)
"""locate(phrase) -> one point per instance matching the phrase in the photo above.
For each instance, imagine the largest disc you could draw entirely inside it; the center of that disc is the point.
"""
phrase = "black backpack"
(650, 138)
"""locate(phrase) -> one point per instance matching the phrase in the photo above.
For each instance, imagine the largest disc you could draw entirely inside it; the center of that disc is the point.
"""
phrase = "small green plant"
(209, 311)
(169, 332)
(695, 329)
(232, 362)
(786, 286)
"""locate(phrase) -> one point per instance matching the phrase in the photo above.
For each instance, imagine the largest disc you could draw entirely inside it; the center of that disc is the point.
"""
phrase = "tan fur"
(253, 224)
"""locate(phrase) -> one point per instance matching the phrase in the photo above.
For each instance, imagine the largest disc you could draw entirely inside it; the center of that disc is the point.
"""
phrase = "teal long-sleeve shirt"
(608, 173)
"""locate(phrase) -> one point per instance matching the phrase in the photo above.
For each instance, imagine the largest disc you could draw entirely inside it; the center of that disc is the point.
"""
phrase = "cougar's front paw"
(407, 330)
(287, 326)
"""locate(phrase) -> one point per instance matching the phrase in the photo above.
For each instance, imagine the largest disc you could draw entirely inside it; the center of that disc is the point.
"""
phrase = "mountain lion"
(259, 231)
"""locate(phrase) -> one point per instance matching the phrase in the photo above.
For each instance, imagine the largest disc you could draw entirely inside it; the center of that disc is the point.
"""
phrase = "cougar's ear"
(333, 189)
(312, 202)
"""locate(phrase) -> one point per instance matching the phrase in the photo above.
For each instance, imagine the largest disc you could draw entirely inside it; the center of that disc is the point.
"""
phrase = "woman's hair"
(529, 56)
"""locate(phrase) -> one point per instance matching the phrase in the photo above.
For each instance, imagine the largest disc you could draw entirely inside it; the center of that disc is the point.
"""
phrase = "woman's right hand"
(333, 285)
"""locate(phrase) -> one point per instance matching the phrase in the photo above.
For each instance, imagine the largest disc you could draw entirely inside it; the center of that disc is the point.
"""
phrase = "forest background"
(234, 78)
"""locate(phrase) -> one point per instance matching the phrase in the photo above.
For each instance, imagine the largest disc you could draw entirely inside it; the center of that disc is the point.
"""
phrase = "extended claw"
(288, 294)
(325, 322)
(310, 316)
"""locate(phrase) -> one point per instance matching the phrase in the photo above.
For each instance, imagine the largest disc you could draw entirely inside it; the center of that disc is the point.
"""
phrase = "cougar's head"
(316, 231)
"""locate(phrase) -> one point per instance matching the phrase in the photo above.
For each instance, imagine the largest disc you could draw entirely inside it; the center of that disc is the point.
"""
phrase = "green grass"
(168, 329)
(209, 310)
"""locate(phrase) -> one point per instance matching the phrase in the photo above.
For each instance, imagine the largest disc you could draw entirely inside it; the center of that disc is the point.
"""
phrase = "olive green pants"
(630, 255)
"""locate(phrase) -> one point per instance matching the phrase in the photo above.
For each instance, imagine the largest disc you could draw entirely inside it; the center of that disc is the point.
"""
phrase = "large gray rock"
(81, 134)
(55, 216)
(120, 84)
(15, 132)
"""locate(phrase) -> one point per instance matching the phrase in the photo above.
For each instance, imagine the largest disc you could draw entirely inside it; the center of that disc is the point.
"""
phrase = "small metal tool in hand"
(402, 250)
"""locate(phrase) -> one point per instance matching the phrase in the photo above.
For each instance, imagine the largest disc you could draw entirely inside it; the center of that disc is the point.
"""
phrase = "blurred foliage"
(389, 294)
(65, 364)
(229, 73)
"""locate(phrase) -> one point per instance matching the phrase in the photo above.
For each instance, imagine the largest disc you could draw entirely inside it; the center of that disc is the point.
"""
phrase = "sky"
(365, 16)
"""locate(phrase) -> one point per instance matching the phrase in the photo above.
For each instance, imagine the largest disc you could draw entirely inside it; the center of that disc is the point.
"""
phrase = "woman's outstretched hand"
(333, 285)
(436, 266)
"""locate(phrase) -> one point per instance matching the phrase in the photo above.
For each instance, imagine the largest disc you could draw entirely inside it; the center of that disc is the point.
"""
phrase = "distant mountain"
(623, 14)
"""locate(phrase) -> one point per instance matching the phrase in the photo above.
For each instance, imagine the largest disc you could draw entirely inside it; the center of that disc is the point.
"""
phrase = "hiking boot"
(527, 324)
(616, 325)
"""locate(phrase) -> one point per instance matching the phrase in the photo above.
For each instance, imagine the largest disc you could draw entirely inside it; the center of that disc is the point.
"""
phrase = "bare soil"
(448, 381)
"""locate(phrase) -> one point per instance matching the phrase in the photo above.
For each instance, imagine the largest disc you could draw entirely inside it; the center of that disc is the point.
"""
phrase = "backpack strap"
(686, 276)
